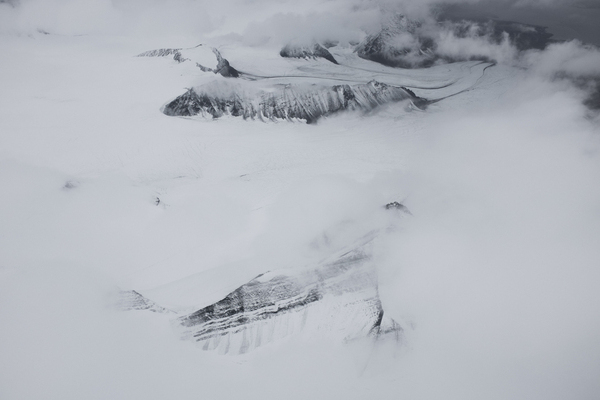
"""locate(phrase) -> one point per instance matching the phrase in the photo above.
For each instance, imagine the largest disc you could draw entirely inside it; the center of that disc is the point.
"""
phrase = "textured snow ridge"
(208, 59)
(338, 300)
(307, 52)
(128, 300)
(289, 102)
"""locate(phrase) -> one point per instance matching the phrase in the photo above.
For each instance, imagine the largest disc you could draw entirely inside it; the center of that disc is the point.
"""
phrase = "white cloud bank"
(499, 269)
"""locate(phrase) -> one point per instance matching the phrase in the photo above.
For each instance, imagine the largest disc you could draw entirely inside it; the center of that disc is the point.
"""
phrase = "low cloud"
(498, 269)
(571, 59)
(474, 46)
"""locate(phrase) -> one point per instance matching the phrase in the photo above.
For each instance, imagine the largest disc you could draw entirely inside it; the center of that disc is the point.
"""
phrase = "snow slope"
(337, 299)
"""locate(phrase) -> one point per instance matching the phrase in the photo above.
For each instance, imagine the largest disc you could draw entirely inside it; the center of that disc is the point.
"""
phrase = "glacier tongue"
(338, 300)
(286, 102)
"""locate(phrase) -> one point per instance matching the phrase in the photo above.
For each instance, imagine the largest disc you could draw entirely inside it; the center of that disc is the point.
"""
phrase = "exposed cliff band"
(289, 102)
(339, 299)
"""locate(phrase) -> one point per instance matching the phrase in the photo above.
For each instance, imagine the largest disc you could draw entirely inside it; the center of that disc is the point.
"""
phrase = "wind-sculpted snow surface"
(339, 299)
(286, 102)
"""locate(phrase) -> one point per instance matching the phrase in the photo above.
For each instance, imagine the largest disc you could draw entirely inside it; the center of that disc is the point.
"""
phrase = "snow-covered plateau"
(288, 201)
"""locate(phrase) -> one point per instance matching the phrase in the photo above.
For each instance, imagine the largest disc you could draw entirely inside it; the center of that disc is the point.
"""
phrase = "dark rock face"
(287, 103)
(307, 52)
(338, 299)
(394, 205)
(223, 67)
(400, 44)
(219, 65)
(128, 300)
(176, 53)
(405, 43)
(252, 302)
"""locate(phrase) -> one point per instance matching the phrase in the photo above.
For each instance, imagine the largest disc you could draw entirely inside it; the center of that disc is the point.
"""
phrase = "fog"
(499, 266)
(493, 276)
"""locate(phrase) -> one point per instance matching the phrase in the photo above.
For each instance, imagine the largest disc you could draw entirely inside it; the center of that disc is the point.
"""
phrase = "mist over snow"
(491, 269)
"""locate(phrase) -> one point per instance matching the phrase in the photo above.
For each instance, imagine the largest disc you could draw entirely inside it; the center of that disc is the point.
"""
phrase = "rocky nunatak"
(408, 43)
(336, 299)
(313, 51)
(208, 59)
(339, 299)
(289, 102)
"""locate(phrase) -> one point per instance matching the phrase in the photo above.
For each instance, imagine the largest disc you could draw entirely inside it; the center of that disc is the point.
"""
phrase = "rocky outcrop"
(222, 67)
(400, 43)
(291, 102)
(307, 52)
(176, 53)
(394, 205)
(406, 43)
(338, 300)
(208, 59)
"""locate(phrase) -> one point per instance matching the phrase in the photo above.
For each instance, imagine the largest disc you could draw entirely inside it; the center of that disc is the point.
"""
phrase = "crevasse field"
(493, 275)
